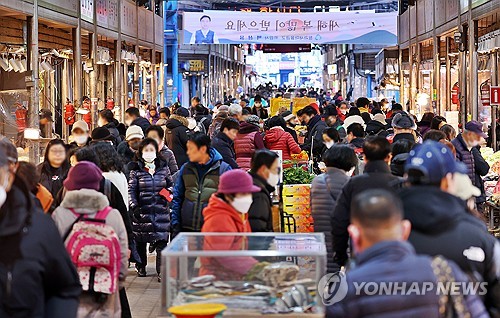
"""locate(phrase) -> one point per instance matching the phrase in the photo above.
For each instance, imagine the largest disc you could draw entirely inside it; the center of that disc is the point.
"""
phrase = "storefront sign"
(347, 27)
(332, 69)
(129, 18)
(495, 95)
(112, 9)
(87, 10)
(196, 65)
(102, 12)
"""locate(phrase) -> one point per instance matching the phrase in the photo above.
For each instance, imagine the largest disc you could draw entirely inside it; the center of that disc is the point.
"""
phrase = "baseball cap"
(134, 132)
(403, 121)
(434, 160)
(475, 127)
(80, 124)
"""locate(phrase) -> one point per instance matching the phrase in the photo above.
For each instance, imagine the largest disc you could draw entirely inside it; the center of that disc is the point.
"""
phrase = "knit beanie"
(85, 175)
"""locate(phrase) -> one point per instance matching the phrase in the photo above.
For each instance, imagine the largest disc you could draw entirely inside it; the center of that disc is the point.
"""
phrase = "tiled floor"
(144, 292)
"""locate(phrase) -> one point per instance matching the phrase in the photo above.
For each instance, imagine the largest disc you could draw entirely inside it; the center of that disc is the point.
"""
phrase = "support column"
(437, 74)
(118, 77)
(137, 97)
(448, 75)
(93, 75)
(472, 70)
(34, 149)
(154, 80)
(463, 81)
(494, 108)
(77, 60)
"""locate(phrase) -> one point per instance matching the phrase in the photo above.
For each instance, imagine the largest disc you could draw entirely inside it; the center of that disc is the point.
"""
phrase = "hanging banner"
(345, 27)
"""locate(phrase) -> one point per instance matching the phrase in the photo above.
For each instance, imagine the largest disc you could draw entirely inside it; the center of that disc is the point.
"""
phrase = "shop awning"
(489, 42)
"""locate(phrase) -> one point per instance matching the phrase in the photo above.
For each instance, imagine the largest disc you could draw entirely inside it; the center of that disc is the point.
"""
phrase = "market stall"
(250, 274)
(492, 190)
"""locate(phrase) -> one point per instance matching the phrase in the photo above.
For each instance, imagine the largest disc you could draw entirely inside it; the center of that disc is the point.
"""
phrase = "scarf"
(150, 167)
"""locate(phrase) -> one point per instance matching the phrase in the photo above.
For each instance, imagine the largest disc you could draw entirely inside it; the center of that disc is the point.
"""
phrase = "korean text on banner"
(346, 27)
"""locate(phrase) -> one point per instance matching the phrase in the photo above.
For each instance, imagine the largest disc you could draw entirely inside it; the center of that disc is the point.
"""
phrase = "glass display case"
(250, 273)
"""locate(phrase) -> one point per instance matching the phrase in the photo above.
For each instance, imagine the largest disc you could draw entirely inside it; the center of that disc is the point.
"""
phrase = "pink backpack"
(94, 248)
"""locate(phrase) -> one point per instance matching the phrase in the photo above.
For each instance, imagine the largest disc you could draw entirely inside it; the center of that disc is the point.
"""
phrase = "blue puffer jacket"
(194, 186)
(325, 190)
(150, 212)
(396, 262)
(465, 155)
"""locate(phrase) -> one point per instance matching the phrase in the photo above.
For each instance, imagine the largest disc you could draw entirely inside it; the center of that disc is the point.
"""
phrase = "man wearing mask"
(467, 147)
(258, 109)
(291, 122)
(330, 115)
(313, 142)
(128, 148)
(133, 118)
(80, 134)
(440, 222)
(265, 174)
(38, 278)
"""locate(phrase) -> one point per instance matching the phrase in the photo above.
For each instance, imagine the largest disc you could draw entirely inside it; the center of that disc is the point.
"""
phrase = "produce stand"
(492, 190)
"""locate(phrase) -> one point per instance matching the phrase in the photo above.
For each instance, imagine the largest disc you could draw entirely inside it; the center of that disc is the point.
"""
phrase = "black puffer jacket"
(440, 225)
(52, 178)
(141, 122)
(176, 137)
(149, 209)
(377, 175)
(44, 282)
(225, 146)
(114, 132)
(127, 156)
(325, 191)
(398, 164)
(260, 214)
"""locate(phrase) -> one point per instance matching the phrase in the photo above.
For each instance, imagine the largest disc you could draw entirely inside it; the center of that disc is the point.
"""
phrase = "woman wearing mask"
(340, 161)
(157, 133)
(277, 138)
(331, 136)
(54, 168)
(343, 110)
(227, 212)
(149, 196)
(258, 109)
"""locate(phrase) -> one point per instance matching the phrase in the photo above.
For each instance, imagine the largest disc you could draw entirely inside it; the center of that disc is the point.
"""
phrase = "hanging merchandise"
(69, 113)
(485, 93)
(455, 91)
(110, 103)
(21, 115)
(87, 117)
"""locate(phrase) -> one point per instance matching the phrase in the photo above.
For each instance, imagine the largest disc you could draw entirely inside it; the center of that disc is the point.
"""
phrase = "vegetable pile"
(296, 176)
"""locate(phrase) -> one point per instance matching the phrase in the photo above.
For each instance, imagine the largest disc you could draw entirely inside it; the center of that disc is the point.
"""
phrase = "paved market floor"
(144, 292)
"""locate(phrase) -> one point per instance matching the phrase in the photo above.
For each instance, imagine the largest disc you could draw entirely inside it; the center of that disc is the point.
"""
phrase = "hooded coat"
(114, 133)
(44, 282)
(194, 185)
(150, 210)
(395, 262)
(325, 191)
(278, 139)
(220, 216)
(246, 143)
(176, 138)
(437, 216)
(88, 202)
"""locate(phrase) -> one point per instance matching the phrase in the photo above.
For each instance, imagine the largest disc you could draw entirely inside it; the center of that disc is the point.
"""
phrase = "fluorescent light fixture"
(47, 67)
(55, 53)
(32, 134)
(4, 63)
(21, 65)
(13, 64)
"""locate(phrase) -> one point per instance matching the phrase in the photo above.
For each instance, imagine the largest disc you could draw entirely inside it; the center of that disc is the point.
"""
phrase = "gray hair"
(235, 109)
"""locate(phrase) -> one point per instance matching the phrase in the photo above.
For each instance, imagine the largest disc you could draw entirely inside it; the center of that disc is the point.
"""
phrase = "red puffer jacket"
(278, 139)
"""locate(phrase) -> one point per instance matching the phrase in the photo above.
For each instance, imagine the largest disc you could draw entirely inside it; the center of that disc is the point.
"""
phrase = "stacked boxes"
(297, 208)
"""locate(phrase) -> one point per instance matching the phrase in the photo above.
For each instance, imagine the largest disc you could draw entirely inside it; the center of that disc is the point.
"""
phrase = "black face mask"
(135, 145)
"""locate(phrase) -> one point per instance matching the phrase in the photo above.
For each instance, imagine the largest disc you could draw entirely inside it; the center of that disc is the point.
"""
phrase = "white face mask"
(149, 156)
(329, 144)
(242, 204)
(128, 122)
(343, 111)
(475, 143)
(81, 139)
(350, 172)
(3, 192)
(273, 179)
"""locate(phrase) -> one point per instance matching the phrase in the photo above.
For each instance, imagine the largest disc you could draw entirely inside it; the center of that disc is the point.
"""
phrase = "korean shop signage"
(346, 27)
(196, 65)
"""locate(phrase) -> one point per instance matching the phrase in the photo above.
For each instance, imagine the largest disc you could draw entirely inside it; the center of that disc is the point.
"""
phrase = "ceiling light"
(55, 53)
(13, 64)
(4, 63)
